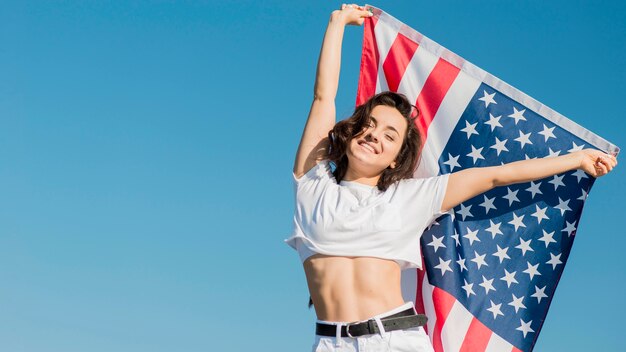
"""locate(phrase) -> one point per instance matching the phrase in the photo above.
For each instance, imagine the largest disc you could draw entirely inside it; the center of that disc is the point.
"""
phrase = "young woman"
(359, 224)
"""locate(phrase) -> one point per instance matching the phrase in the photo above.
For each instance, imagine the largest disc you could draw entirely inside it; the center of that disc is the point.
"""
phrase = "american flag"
(492, 264)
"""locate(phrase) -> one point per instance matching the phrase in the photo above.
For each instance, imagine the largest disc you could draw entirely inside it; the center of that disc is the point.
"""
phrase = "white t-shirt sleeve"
(310, 190)
(320, 173)
(320, 170)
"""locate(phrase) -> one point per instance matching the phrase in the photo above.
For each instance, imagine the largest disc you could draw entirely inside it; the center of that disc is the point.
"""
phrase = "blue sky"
(146, 151)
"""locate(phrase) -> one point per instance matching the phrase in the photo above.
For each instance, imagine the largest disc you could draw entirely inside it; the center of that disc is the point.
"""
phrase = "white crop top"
(357, 220)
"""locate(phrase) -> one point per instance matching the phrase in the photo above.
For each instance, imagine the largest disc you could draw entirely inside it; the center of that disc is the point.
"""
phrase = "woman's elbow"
(501, 177)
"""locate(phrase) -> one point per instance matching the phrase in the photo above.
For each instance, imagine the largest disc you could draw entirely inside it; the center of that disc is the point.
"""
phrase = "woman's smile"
(368, 147)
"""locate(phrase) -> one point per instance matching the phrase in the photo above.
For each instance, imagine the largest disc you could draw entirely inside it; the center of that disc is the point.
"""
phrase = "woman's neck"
(352, 176)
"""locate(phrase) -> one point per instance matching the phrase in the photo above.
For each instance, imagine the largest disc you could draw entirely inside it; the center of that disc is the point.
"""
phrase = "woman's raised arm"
(465, 184)
(314, 141)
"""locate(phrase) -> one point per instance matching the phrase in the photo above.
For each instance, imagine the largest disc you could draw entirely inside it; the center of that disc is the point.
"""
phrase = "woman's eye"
(389, 137)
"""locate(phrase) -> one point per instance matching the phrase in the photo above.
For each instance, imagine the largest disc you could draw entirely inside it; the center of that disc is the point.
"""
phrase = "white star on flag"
(523, 139)
(547, 237)
(468, 288)
(554, 260)
(494, 121)
(518, 115)
(465, 211)
(517, 221)
(563, 206)
(583, 196)
(453, 161)
(532, 270)
(461, 263)
(475, 154)
(470, 129)
(495, 309)
(580, 174)
(488, 204)
(534, 189)
(524, 246)
(488, 98)
(517, 303)
(494, 229)
(444, 266)
(570, 228)
(576, 148)
(540, 214)
(557, 181)
(511, 196)
(509, 278)
(539, 293)
(487, 285)
(456, 238)
(499, 146)
(479, 260)
(552, 154)
(501, 253)
(547, 132)
(472, 236)
(437, 243)
(525, 327)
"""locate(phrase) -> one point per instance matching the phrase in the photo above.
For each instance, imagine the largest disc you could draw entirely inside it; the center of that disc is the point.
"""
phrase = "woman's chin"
(364, 167)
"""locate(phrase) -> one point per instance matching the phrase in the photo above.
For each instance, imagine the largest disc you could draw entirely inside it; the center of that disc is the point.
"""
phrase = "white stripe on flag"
(419, 68)
(456, 326)
(385, 36)
(497, 344)
(448, 115)
(429, 309)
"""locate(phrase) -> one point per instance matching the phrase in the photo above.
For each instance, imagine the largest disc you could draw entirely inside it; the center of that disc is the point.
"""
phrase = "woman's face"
(371, 152)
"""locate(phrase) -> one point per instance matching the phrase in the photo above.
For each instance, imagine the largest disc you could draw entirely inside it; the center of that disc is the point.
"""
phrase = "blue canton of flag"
(501, 254)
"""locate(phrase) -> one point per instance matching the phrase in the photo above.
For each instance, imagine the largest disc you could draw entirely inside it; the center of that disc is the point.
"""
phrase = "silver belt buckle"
(348, 330)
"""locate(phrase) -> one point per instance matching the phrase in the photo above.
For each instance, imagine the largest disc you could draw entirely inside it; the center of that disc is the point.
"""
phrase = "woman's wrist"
(338, 17)
(579, 157)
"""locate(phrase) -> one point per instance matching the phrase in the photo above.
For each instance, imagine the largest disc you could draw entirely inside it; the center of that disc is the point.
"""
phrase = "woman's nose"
(373, 135)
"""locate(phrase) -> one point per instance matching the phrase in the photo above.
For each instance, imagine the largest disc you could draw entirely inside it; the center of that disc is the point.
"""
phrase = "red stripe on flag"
(443, 302)
(369, 63)
(476, 338)
(397, 60)
(435, 89)
(419, 299)
(515, 349)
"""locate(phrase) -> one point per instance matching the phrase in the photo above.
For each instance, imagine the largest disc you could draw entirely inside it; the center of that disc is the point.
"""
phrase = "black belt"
(402, 320)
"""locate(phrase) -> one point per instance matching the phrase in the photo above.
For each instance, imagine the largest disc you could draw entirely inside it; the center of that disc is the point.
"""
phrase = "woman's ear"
(392, 165)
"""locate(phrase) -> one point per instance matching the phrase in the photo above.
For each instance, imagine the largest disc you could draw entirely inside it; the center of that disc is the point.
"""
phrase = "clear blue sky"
(146, 151)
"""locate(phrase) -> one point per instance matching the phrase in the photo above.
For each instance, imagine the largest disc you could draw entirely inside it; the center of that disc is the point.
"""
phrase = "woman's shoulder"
(320, 172)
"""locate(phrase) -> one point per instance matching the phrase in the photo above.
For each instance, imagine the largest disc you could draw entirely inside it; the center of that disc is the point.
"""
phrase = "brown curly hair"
(344, 131)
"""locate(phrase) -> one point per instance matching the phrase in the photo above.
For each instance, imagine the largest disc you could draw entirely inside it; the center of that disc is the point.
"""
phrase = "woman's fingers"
(600, 166)
(362, 10)
(613, 159)
(610, 161)
(609, 165)
(353, 14)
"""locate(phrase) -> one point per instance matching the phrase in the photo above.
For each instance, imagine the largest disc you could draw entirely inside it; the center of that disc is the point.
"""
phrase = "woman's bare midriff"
(346, 289)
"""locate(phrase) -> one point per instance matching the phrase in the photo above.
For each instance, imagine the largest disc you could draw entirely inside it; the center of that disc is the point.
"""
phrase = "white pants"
(407, 340)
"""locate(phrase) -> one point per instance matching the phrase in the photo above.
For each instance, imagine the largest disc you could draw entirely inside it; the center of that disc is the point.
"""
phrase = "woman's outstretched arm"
(465, 184)
(321, 118)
